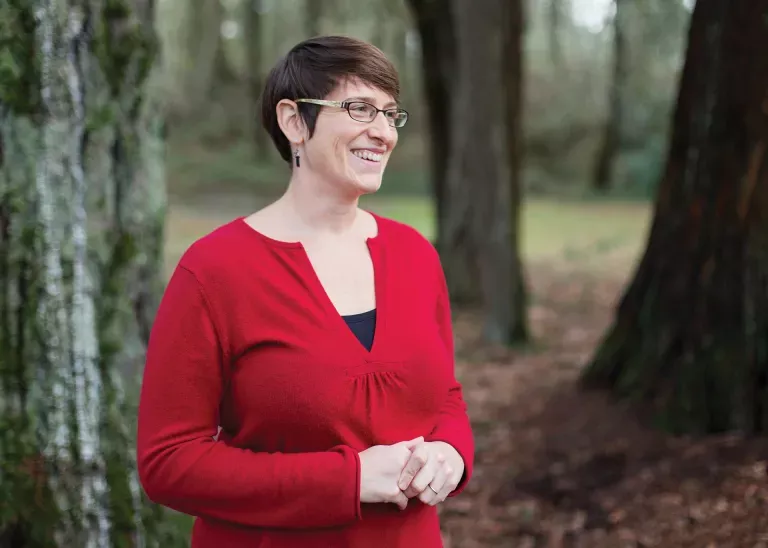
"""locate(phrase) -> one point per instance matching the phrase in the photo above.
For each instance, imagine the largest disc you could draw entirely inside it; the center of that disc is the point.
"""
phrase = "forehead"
(355, 88)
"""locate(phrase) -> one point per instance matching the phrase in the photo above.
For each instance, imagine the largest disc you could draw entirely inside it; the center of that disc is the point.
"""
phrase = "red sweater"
(246, 338)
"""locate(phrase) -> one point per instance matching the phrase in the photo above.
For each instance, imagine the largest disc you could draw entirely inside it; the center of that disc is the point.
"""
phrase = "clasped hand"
(414, 468)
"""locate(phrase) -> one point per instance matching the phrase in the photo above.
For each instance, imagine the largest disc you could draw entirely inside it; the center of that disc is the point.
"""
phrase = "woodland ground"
(555, 466)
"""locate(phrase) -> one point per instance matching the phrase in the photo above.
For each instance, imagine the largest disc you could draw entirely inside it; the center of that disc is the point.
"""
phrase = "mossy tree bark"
(81, 229)
(691, 332)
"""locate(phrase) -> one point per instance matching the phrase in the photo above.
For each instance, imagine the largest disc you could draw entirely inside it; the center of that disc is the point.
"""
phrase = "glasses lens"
(362, 112)
(397, 118)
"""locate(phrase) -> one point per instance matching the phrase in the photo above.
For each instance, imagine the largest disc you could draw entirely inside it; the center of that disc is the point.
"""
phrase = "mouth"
(368, 155)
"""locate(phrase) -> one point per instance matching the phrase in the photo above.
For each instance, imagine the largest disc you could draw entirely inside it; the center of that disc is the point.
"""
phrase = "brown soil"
(560, 467)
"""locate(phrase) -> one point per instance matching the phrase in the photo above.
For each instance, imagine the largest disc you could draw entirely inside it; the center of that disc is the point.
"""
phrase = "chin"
(365, 183)
(369, 185)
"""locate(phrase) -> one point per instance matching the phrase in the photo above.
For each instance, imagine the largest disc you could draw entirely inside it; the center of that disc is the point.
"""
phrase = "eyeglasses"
(364, 112)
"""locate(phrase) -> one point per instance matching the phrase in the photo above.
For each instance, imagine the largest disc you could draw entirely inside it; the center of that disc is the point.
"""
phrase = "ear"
(290, 121)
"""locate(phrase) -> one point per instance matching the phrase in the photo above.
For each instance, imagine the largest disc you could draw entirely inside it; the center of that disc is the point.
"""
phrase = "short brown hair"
(312, 69)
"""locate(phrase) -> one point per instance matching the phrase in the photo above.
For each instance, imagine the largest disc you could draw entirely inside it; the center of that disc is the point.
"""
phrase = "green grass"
(212, 182)
(601, 236)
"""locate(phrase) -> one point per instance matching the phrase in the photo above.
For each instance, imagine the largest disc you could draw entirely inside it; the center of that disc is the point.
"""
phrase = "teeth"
(367, 155)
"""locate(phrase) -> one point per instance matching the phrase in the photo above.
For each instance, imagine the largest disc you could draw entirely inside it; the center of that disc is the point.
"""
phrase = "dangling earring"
(296, 156)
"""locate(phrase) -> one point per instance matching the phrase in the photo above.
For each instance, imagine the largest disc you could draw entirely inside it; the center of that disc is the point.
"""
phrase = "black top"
(363, 325)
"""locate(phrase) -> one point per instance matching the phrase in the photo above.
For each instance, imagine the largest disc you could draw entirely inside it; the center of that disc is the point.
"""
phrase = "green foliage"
(19, 65)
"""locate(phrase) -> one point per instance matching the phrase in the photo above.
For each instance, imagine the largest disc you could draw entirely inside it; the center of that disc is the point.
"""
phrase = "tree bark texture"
(81, 229)
(479, 215)
(690, 335)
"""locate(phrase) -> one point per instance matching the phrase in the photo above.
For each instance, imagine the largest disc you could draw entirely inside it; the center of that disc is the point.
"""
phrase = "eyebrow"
(371, 100)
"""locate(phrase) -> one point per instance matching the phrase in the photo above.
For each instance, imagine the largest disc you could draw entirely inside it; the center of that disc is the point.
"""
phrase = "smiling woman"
(316, 335)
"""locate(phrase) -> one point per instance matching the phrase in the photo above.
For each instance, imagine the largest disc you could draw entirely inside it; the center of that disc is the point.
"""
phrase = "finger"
(425, 476)
(401, 500)
(434, 493)
(451, 482)
(410, 444)
(415, 463)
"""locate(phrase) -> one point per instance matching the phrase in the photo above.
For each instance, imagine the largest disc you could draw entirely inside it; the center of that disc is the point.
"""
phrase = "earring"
(296, 156)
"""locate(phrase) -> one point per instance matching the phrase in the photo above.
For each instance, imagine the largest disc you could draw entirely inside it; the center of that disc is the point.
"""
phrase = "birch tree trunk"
(81, 228)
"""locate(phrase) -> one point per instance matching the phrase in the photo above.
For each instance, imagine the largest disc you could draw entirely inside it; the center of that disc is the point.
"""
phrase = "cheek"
(339, 151)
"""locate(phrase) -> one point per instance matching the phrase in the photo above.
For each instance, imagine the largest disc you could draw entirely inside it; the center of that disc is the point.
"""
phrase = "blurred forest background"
(612, 338)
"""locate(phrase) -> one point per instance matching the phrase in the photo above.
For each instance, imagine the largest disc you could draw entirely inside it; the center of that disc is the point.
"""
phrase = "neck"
(317, 205)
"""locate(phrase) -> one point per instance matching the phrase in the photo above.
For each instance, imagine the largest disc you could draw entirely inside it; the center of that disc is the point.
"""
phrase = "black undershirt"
(363, 325)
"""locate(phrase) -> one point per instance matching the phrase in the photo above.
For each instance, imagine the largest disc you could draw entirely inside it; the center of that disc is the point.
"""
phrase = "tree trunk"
(81, 230)
(202, 58)
(479, 198)
(253, 52)
(223, 72)
(512, 68)
(313, 10)
(690, 332)
(557, 10)
(612, 132)
(435, 24)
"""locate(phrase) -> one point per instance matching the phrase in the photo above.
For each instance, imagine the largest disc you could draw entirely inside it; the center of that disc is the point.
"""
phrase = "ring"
(433, 489)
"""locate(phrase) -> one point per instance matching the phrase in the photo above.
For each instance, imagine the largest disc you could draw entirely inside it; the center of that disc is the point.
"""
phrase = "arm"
(180, 464)
(453, 425)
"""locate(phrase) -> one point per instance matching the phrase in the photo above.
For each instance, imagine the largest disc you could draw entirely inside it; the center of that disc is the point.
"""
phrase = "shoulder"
(216, 251)
(408, 241)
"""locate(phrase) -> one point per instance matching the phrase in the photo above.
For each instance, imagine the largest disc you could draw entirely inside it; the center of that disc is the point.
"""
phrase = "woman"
(316, 335)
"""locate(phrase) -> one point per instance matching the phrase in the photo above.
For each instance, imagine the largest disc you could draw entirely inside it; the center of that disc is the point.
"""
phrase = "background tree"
(558, 11)
(690, 332)
(480, 200)
(205, 64)
(82, 206)
(254, 46)
(313, 11)
(435, 25)
(617, 98)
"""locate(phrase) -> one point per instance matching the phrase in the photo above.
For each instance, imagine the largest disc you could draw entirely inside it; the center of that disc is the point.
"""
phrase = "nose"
(380, 129)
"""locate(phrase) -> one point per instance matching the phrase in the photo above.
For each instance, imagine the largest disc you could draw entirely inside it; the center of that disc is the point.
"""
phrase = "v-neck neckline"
(380, 304)
(375, 250)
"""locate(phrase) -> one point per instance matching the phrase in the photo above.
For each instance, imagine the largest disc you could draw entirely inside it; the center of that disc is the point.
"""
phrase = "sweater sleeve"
(183, 467)
(453, 426)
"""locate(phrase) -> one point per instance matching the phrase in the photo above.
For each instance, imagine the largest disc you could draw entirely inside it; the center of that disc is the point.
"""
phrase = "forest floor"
(560, 467)
(556, 466)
